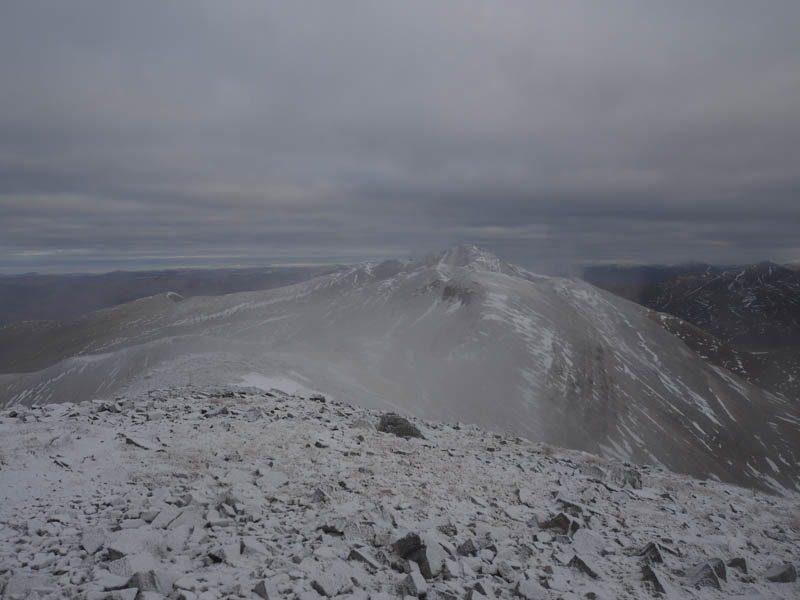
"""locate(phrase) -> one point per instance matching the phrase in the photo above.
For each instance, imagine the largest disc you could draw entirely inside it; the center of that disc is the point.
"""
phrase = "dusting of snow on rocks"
(191, 493)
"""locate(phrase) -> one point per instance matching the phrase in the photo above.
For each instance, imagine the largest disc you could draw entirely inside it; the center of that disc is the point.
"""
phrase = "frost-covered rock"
(785, 573)
(446, 517)
(399, 426)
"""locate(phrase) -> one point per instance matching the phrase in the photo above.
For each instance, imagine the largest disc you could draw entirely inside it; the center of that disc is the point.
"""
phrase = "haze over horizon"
(187, 134)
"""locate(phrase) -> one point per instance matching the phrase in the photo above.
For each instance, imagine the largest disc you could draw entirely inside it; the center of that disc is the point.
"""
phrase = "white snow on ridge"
(460, 336)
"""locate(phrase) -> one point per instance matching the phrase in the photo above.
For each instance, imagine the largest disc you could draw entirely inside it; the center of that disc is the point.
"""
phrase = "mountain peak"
(468, 255)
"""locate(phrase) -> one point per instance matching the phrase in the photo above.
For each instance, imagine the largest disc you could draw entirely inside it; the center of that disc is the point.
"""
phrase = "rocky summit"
(190, 493)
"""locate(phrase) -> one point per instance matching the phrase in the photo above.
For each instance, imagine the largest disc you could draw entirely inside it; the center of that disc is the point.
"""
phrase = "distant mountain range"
(33, 296)
(458, 336)
(755, 307)
(744, 318)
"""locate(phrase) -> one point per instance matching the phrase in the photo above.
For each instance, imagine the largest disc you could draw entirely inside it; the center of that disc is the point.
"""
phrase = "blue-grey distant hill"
(49, 297)
(743, 318)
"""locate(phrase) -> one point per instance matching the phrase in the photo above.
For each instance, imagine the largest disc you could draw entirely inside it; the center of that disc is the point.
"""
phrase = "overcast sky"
(143, 133)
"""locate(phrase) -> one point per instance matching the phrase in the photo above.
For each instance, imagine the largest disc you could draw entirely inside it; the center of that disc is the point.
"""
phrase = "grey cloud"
(550, 133)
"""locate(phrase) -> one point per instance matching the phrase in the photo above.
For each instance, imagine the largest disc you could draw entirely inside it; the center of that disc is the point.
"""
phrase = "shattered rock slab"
(232, 506)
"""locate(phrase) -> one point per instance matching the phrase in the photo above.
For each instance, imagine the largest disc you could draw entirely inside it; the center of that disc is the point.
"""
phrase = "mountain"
(32, 296)
(777, 371)
(460, 336)
(191, 493)
(749, 316)
(755, 307)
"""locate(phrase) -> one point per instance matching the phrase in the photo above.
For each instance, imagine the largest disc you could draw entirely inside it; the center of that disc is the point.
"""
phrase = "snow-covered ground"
(231, 493)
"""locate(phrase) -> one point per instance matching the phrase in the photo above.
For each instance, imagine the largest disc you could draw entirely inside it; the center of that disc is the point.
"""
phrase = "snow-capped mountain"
(461, 336)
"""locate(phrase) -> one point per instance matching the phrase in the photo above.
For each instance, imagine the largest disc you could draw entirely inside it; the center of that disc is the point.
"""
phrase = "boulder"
(414, 583)
(229, 554)
(576, 562)
(334, 580)
(468, 548)
(93, 539)
(165, 517)
(263, 589)
(530, 589)
(561, 523)
(425, 550)
(651, 553)
(399, 426)
(23, 585)
(652, 579)
(738, 563)
(704, 575)
(153, 581)
(133, 563)
(785, 573)
(362, 556)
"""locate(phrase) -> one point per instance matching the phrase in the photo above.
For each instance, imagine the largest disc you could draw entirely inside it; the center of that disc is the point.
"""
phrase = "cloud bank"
(144, 133)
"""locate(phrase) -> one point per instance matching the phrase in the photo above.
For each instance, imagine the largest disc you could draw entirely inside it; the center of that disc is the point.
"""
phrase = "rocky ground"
(229, 494)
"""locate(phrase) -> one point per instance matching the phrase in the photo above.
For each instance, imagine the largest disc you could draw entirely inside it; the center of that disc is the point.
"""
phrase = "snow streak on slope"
(459, 337)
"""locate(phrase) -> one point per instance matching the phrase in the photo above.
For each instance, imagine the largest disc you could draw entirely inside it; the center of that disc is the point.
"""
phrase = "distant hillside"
(745, 319)
(756, 307)
(47, 297)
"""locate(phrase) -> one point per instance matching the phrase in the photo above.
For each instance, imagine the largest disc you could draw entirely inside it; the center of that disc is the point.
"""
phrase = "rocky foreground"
(228, 494)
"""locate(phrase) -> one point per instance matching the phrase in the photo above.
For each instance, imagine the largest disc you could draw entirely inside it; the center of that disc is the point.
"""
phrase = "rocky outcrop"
(233, 497)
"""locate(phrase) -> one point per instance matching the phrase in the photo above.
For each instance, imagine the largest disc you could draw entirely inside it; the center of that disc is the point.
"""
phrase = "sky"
(193, 133)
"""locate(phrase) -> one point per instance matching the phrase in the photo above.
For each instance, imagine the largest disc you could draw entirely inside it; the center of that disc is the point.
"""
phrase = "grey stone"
(333, 580)
(651, 553)
(126, 594)
(652, 578)
(738, 563)
(165, 517)
(467, 548)
(424, 550)
(251, 545)
(362, 556)
(21, 585)
(530, 589)
(581, 565)
(229, 554)
(561, 523)
(138, 443)
(270, 481)
(785, 573)
(265, 590)
(399, 426)
(704, 575)
(152, 581)
(42, 560)
(407, 544)
(128, 565)
(414, 583)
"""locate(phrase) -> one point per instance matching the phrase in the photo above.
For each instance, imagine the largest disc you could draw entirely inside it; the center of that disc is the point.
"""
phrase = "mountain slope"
(38, 297)
(756, 307)
(459, 336)
(218, 493)
(750, 314)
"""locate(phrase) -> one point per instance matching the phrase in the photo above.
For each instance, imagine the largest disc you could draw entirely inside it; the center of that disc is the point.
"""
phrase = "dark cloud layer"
(150, 132)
